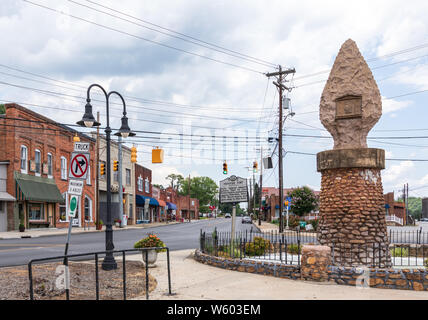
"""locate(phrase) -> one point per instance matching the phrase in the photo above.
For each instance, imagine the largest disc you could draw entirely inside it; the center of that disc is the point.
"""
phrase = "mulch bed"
(47, 284)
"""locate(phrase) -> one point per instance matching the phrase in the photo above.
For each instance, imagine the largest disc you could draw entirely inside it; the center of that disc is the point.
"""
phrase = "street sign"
(75, 187)
(81, 146)
(233, 189)
(72, 208)
(79, 165)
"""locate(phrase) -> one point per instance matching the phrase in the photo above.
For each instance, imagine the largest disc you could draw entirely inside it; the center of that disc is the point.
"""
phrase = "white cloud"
(396, 174)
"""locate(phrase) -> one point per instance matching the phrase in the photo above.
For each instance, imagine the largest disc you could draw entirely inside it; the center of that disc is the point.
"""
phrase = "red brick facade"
(23, 127)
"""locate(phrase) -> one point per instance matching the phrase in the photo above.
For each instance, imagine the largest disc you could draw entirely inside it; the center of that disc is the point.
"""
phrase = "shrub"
(426, 263)
(294, 248)
(258, 247)
(149, 242)
(400, 252)
(314, 224)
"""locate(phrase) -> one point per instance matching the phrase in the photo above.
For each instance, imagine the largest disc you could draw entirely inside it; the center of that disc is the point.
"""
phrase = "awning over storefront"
(32, 188)
(4, 196)
(140, 200)
(171, 206)
(162, 203)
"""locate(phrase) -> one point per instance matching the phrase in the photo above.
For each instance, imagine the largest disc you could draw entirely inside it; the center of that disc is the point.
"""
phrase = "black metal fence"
(408, 236)
(96, 257)
(286, 248)
(252, 245)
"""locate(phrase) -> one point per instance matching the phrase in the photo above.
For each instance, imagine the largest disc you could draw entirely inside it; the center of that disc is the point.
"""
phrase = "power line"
(181, 37)
(142, 38)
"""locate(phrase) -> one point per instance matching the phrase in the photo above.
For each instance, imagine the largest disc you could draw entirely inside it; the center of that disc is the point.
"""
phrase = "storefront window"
(23, 159)
(63, 208)
(35, 211)
(88, 209)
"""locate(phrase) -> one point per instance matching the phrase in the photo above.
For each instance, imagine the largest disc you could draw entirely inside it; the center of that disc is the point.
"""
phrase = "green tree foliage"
(175, 180)
(158, 186)
(2, 109)
(303, 200)
(227, 208)
(201, 188)
(415, 207)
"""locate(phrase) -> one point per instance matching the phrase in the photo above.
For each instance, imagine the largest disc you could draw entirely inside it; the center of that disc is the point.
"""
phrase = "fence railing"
(393, 218)
(252, 245)
(286, 248)
(96, 256)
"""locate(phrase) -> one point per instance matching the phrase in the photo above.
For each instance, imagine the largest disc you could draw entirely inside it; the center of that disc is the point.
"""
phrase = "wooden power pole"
(281, 88)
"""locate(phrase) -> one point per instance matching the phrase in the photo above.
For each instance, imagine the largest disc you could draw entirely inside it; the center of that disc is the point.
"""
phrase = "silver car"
(227, 215)
(246, 219)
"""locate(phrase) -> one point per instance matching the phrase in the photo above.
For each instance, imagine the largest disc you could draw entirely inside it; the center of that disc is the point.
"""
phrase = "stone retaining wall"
(279, 270)
(407, 279)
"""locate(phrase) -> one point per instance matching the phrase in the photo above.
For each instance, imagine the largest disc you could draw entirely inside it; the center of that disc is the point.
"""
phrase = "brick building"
(143, 190)
(183, 208)
(38, 150)
(170, 196)
(394, 209)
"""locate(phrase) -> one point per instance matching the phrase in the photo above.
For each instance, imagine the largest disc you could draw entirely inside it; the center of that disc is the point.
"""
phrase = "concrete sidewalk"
(192, 280)
(270, 227)
(35, 233)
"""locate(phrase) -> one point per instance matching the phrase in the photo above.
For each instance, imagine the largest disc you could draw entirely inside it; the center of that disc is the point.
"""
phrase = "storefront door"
(3, 216)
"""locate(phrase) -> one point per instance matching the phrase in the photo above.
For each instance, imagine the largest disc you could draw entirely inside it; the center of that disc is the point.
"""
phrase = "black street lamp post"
(88, 120)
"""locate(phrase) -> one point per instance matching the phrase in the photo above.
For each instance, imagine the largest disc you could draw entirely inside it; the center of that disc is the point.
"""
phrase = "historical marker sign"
(233, 189)
(79, 165)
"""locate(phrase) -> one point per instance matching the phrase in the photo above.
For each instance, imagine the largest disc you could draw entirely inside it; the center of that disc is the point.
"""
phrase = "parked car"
(227, 215)
(424, 220)
(246, 219)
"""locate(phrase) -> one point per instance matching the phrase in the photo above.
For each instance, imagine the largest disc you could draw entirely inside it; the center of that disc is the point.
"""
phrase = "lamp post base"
(109, 263)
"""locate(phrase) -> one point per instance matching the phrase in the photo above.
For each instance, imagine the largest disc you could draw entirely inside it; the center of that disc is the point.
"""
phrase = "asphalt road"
(175, 236)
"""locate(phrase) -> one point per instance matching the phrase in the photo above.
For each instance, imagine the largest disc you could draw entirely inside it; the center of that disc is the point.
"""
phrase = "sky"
(193, 76)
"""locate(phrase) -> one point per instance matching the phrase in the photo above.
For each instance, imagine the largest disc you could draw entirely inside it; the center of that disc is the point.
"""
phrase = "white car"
(227, 215)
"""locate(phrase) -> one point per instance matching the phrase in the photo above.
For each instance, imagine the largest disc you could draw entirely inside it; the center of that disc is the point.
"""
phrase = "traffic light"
(115, 165)
(225, 168)
(255, 165)
(133, 154)
(102, 169)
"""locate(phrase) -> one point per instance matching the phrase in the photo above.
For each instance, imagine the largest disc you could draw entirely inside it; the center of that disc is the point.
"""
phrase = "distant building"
(395, 211)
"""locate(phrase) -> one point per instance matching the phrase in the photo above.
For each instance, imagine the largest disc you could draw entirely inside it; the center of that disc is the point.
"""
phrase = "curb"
(83, 232)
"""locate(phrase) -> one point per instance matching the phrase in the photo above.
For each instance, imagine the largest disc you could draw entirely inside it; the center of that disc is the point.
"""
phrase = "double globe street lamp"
(89, 121)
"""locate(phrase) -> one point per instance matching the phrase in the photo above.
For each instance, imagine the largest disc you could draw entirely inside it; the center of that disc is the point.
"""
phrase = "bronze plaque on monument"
(348, 107)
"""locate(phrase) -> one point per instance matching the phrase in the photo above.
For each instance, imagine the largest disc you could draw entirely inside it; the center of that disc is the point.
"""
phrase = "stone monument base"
(352, 214)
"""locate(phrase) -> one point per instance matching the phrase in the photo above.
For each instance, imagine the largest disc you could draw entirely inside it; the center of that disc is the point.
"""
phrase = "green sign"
(302, 223)
(73, 206)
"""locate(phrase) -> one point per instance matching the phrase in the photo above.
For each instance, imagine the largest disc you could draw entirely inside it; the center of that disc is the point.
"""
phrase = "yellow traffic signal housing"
(157, 155)
(102, 169)
(133, 154)
(224, 168)
(255, 165)
(115, 165)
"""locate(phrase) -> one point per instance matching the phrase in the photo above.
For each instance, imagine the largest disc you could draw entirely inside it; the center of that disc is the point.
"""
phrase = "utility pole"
(280, 87)
(261, 184)
(189, 200)
(97, 177)
(407, 202)
(254, 193)
(249, 201)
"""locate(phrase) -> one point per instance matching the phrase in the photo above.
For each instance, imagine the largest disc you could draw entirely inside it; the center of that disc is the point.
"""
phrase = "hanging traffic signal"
(157, 155)
(115, 165)
(102, 169)
(255, 165)
(225, 168)
(133, 154)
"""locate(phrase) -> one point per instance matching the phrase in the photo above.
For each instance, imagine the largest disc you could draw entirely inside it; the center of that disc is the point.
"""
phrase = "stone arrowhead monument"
(352, 214)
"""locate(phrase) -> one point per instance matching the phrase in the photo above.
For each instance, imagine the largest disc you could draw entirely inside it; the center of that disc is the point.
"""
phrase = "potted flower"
(117, 222)
(99, 226)
(21, 227)
(151, 241)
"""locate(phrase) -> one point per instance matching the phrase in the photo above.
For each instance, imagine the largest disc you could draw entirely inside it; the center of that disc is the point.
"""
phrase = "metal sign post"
(233, 190)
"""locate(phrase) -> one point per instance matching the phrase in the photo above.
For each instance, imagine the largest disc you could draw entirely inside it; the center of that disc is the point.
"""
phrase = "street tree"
(202, 188)
(175, 180)
(303, 200)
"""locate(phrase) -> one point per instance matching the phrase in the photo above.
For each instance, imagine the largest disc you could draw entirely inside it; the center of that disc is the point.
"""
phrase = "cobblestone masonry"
(352, 215)
(407, 279)
(315, 262)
